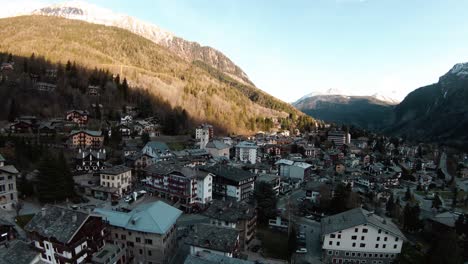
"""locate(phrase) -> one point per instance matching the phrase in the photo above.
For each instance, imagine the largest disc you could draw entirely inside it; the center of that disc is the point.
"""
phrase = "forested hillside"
(202, 91)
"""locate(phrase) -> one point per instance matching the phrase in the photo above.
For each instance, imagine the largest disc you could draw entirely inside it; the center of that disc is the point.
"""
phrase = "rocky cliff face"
(438, 111)
(188, 50)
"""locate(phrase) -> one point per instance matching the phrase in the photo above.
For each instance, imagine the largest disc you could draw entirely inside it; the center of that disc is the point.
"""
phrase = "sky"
(292, 48)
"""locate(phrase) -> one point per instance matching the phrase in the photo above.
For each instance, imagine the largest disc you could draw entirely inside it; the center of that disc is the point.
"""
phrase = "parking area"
(311, 231)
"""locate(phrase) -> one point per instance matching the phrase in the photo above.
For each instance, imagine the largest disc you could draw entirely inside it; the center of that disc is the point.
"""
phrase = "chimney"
(43, 211)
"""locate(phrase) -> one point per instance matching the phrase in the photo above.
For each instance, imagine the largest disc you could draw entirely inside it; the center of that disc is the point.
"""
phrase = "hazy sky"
(291, 48)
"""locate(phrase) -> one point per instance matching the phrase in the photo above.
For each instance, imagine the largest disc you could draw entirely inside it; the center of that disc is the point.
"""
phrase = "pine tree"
(390, 206)
(13, 111)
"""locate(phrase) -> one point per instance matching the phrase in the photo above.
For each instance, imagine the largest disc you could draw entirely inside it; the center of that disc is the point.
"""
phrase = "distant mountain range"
(369, 112)
(437, 112)
(188, 50)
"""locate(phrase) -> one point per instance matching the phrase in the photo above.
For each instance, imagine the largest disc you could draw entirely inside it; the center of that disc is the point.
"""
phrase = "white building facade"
(358, 236)
(246, 152)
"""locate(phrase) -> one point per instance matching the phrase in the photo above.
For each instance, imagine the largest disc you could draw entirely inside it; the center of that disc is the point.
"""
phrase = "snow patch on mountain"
(80, 10)
(460, 69)
(337, 92)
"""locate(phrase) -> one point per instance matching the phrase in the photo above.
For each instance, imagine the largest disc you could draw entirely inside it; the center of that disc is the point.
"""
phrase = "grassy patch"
(23, 220)
(274, 243)
(176, 146)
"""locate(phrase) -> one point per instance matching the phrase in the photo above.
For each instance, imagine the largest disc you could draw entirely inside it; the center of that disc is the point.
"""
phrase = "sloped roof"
(246, 144)
(213, 237)
(18, 252)
(211, 258)
(57, 222)
(9, 169)
(157, 217)
(231, 211)
(356, 217)
(217, 144)
(116, 170)
(89, 132)
(285, 162)
(228, 172)
(157, 145)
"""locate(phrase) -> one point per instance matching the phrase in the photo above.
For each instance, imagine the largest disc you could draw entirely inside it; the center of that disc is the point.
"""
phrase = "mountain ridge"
(188, 50)
(205, 92)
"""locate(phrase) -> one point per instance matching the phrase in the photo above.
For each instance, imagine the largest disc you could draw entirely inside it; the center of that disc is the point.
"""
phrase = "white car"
(301, 250)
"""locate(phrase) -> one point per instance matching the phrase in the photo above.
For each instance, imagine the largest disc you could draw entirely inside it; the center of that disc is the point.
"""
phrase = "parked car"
(301, 250)
(128, 199)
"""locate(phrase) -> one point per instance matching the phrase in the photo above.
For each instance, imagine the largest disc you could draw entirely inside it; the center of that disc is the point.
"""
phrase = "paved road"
(314, 247)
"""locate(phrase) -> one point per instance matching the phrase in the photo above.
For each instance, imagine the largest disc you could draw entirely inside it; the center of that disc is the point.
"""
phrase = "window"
(149, 253)
(347, 254)
(354, 237)
(381, 255)
(364, 230)
(358, 254)
(376, 245)
(356, 229)
(380, 231)
(149, 241)
(384, 246)
(385, 239)
(116, 235)
(362, 237)
(123, 237)
(353, 254)
(137, 239)
(330, 243)
(332, 235)
(354, 244)
(336, 253)
(339, 235)
(396, 238)
(386, 255)
(141, 251)
(338, 243)
(364, 255)
(330, 252)
(362, 245)
(395, 246)
(378, 238)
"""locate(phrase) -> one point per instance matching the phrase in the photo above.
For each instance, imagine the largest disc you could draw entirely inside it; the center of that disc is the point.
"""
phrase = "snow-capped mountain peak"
(460, 69)
(385, 98)
(81, 10)
(187, 50)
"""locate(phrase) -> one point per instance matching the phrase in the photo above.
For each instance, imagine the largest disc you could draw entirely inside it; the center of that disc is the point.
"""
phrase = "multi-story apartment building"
(89, 160)
(339, 138)
(188, 186)
(359, 236)
(148, 231)
(119, 177)
(64, 235)
(77, 116)
(231, 182)
(246, 152)
(86, 139)
(204, 129)
(8, 193)
(239, 215)
(273, 180)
